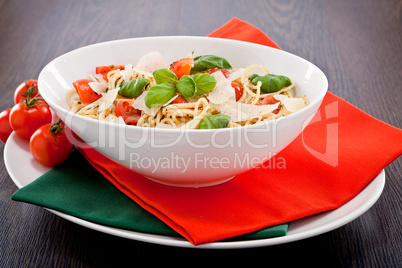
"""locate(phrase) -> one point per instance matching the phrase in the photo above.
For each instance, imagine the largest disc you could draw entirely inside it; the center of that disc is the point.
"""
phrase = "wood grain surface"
(356, 43)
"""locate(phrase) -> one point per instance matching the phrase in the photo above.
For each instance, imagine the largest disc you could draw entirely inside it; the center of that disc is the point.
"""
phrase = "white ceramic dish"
(192, 158)
(17, 150)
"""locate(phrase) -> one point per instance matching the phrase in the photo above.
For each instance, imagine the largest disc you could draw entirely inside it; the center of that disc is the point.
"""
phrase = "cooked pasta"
(195, 95)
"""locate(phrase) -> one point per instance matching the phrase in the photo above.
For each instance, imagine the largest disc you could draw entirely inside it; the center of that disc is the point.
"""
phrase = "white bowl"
(185, 158)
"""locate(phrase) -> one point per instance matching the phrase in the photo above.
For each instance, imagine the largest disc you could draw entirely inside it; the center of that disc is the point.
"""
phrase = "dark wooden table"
(356, 43)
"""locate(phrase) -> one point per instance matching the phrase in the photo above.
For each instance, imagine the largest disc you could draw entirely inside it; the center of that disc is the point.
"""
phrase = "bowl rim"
(318, 100)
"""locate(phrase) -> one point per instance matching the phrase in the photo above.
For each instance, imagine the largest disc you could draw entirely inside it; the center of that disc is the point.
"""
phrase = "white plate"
(17, 150)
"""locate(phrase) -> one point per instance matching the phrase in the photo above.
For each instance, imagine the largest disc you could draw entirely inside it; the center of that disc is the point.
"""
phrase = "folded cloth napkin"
(334, 158)
(77, 189)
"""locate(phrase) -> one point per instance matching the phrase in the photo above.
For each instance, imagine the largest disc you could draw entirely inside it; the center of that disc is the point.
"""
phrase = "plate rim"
(378, 183)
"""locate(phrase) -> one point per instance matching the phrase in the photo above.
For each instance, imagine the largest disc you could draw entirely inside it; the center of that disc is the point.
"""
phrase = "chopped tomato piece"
(103, 70)
(182, 67)
(125, 109)
(179, 99)
(226, 73)
(269, 100)
(85, 92)
(238, 90)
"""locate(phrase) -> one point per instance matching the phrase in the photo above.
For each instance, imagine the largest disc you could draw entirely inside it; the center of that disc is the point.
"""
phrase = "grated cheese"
(223, 90)
(107, 99)
(127, 73)
(240, 111)
(113, 119)
(235, 75)
(98, 85)
(139, 104)
(291, 104)
(152, 61)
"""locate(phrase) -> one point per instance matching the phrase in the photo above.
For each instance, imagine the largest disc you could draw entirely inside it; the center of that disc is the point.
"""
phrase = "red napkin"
(335, 157)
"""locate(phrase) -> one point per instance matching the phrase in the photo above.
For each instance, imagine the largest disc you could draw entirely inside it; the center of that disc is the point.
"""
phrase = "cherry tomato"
(25, 119)
(21, 91)
(49, 144)
(125, 109)
(269, 100)
(226, 73)
(85, 92)
(103, 70)
(238, 90)
(179, 99)
(5, 128)
(182, 67)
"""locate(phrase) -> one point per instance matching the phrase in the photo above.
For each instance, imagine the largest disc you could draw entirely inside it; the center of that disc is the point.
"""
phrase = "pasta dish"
(200, 92)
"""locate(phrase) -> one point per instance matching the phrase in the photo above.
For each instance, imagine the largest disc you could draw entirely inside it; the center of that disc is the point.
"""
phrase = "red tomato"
(125, 109)
(49, 144)
(269, 100)
(179, 99)
(103, 70)
(24, 120)
(182, 67)
(21, 91)
(238, 90)
(5, 128)
(85, 92)
(226, 73)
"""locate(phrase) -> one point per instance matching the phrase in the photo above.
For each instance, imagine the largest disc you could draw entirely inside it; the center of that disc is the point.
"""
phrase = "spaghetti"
(252, 106)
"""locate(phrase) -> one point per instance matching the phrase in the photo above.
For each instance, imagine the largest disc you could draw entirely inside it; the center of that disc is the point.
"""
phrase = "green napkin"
(77, 189)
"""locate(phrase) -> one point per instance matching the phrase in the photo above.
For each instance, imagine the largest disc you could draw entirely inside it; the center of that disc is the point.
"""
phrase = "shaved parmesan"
(235, 115)
(240, 111)
(223, 90)
(236, 75)
(152, 61)
(291, 104)
(107, 99)
(139, 104)
(98, 85)
(127, 73)
(113, 119)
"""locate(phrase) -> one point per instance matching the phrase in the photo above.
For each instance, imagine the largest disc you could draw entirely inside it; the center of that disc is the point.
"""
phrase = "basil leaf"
(159, 94)
(251, 77)
(164, 76)
(133, 88)
(186, 86)
(270, 82)
(204, 83)
(214, 121)
(207, 62)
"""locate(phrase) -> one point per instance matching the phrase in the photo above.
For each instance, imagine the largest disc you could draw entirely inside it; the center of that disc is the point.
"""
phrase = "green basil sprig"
(270, 83)
(159, 94)
(207, 62)
(167, 84)
(164, 76)
(204, 83)
(213, 121)
(186, 86)
(133, 88)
